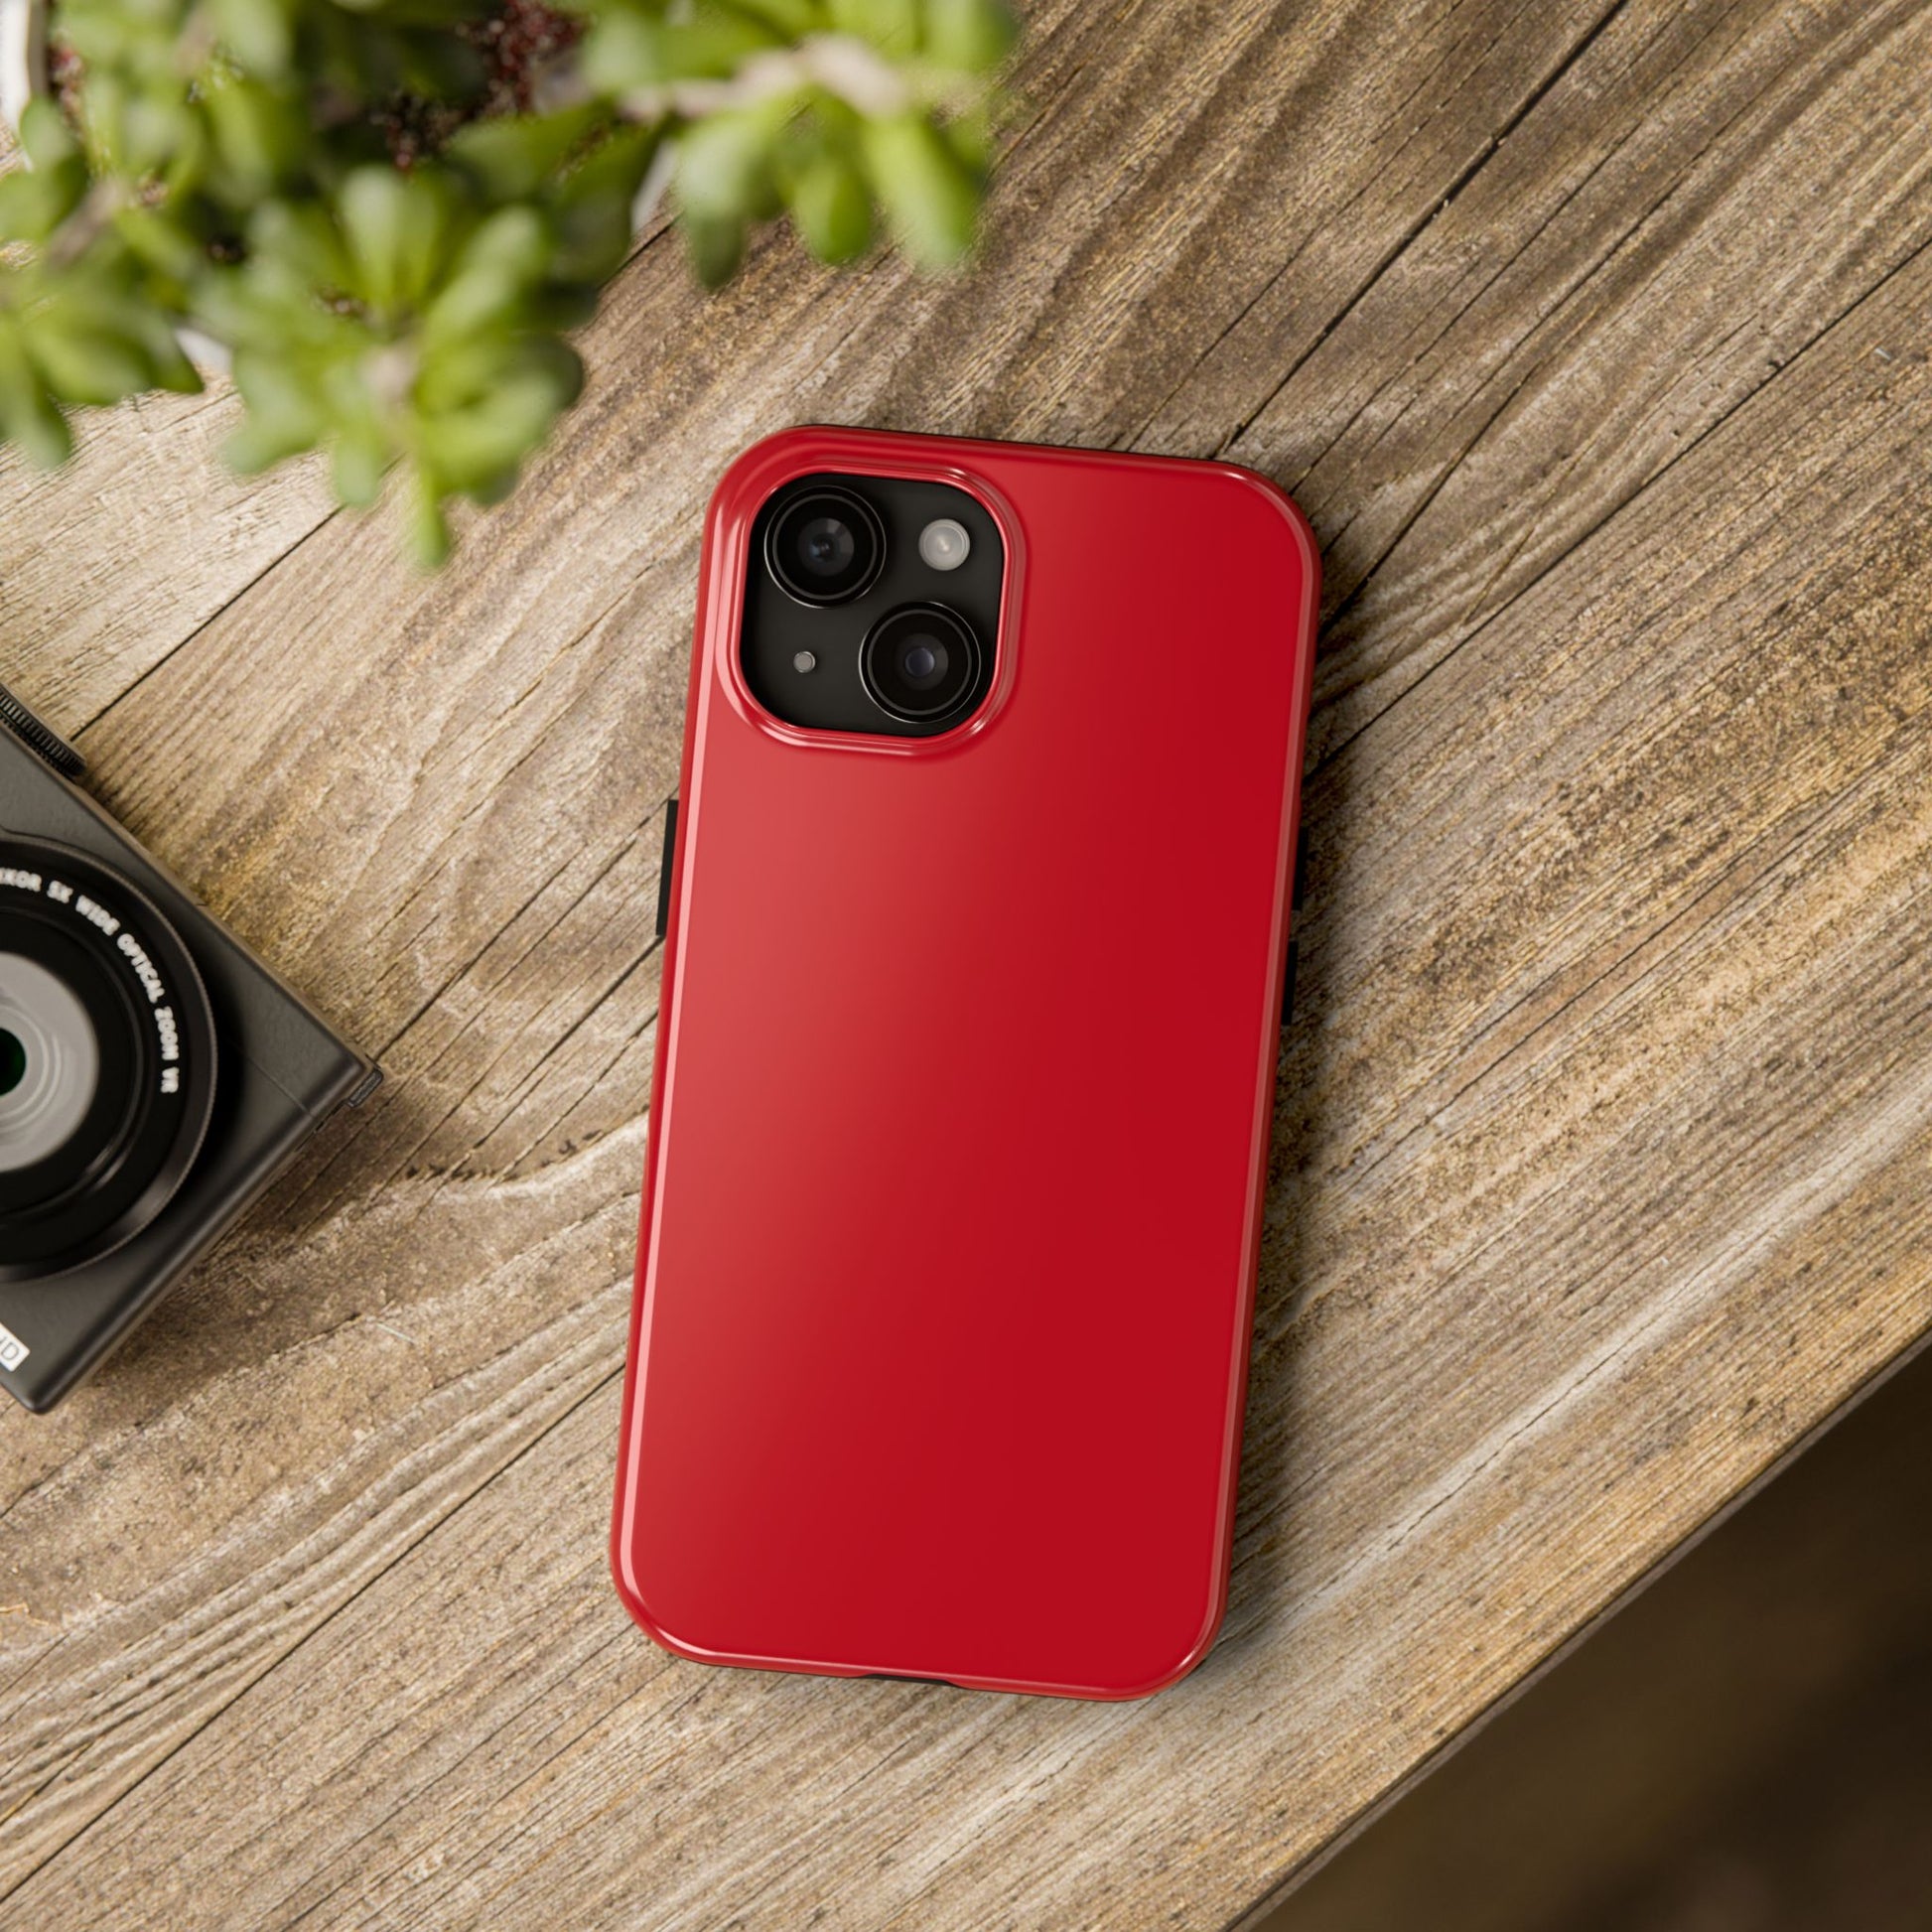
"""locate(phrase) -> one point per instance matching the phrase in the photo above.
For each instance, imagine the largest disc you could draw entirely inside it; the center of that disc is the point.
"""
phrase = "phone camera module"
(920, 662)
(872, 604)
(826, 546)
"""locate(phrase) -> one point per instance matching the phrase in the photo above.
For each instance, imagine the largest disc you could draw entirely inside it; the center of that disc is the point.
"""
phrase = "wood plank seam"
(1864, 51)
(79, 732)
(1650, 948)
(1134, 436)
(1603, 260)
(1738, 1252)
(523, 1345)
(1502, 268)
(1469, 173)
(1902, 12)
(636, 841)
(1625, 505)
(570, 1744)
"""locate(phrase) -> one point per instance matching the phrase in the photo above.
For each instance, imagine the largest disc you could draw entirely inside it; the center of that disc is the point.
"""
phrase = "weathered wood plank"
(137, 544)
(109, 563)
(1583, 313)
(1598, 1178)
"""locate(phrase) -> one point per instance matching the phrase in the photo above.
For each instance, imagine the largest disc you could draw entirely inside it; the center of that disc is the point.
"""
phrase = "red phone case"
(940, 1338)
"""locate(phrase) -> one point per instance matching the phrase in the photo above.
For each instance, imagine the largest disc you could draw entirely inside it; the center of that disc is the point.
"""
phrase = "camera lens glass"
(826, 546)
(13, 1061)
(49, 1062)
(920, 662)
(107, 1059)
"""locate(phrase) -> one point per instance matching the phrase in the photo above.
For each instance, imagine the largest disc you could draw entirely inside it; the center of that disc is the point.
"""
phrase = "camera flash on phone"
(804, 660)
(944, 545)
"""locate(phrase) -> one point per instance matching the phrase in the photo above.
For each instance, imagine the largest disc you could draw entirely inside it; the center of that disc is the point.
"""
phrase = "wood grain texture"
(1593, 337)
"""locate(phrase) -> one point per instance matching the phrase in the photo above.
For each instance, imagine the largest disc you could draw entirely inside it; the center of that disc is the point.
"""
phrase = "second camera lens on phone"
(920, 662)
(826, 546)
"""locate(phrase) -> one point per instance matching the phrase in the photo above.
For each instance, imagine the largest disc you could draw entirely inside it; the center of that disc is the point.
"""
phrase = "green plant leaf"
(928, 195)
(260, 33)
(971, 35)
(436, 66)
(716, 244)
(499, 269)
(429, 528)
(397, 227)
(300, 237)
(160, 244)
(394, 285)
(889, 23)
(788, 20)
(628, 49)
(167, 365)
(44, 136)
(33, 202)
(285, 413)
(514, 156)
(254, 446)
(80, 363)
(591, 208)
(361, 458)
(28, 414)
(622, 51)
(832, 207)
(724, 163)
(258, 136)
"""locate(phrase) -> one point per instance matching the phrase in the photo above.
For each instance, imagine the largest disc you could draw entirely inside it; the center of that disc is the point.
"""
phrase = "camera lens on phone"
(920, 662)
(826, 546)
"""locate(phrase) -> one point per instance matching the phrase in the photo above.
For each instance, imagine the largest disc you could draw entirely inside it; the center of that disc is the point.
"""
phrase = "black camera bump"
(872, 604)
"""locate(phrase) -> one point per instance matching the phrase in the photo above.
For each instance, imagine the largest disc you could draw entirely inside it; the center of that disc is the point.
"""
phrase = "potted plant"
(386, 216)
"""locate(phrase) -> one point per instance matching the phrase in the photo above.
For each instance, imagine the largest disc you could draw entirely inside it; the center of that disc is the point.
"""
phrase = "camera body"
(154, 1075)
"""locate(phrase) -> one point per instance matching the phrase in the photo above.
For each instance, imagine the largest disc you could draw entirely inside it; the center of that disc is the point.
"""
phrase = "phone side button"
(665, 867)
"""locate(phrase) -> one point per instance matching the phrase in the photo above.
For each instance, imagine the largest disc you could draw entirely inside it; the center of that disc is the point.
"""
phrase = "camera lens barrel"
(49, 1062)
(107, 1060)
(826, 546)
(920, 662)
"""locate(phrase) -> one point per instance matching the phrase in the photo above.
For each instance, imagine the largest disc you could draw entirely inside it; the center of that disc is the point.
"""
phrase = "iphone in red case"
(976, 931)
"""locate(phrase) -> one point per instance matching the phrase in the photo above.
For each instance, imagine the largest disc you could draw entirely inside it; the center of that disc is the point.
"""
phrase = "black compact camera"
(154, 1075)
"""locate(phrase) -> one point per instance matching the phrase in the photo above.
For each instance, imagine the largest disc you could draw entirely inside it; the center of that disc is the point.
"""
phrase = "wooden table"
(1595, 337)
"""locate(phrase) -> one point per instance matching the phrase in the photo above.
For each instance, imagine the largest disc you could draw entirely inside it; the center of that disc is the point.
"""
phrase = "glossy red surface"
(940, 1338)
